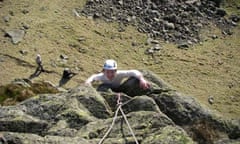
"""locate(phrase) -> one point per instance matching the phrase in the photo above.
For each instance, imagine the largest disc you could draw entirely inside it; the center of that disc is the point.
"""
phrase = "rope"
(119, 103)
(119, 99)
(114, 119)
(129, 125)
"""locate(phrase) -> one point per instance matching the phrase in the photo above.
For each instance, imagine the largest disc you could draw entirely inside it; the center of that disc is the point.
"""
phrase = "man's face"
(110, 74)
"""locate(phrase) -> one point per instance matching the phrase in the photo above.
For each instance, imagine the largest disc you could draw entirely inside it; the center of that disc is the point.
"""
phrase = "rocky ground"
(203, 60)
(173, 21)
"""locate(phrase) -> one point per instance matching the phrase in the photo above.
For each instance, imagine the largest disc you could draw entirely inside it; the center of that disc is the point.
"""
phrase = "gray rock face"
(83, 115)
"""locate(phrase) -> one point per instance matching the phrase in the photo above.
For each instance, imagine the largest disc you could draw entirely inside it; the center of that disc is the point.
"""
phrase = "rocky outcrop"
(83, 115)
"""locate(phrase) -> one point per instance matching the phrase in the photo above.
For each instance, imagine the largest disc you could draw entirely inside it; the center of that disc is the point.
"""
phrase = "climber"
(113, 79)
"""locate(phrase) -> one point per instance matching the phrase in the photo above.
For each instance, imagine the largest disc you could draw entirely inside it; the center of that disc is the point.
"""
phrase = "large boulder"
(84, 115)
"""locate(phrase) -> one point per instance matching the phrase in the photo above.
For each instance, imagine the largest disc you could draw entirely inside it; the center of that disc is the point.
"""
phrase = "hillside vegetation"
(53, 30)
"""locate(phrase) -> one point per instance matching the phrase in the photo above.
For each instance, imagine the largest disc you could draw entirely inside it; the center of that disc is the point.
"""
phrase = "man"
(66, 76)
(39, 68)
(113, 78)
(39, 65)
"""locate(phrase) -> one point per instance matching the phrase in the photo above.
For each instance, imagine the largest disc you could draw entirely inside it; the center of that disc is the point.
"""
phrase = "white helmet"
(110, 65)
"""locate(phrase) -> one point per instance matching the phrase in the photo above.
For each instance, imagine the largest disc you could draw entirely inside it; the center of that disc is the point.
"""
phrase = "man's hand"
(87, 84)
(144, 84)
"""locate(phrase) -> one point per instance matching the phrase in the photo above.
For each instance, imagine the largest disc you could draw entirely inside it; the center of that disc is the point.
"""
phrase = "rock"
(23, 82)
(83, 115)
(2, 59)
(149, 51)
(183, 46)
(24, 138)
(16, 120)
(210, 100)
(157, 47)
(167, 136)
(25, 26)
(221, 12)
(142, 122)
(141, 103)
(16, 35)
(214, 36)
(23, 52)
(169, 25)
(6, 18)
(64, 57)
(234, 18)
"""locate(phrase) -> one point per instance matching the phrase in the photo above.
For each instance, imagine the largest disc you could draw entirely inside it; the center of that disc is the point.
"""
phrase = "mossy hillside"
(13, 93)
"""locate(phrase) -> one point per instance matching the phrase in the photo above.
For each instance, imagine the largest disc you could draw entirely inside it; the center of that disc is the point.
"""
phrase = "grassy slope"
(208, 69)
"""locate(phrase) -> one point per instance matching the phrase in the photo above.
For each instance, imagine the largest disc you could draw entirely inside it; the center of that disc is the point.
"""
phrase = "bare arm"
(93, 77)
(135, 73)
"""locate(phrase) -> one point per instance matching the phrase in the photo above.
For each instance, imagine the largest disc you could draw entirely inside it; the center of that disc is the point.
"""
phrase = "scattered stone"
(210, 100)
(235, 18)
(16, 35)
(80, 39)
(23, 82)
(75, 13)
(149, 51)
(234, 23)
(183, 46)
(64, 57)
(2, 59)
(6, 18)
(23, 52)
(152, 41)
(221, 12)
(157, 47)
(25, 11)
(169, 25)
(214, 36)
(25, 26)
(11, 13)
(172, 21)
(134, 44)
(220, 62)
(227, 32)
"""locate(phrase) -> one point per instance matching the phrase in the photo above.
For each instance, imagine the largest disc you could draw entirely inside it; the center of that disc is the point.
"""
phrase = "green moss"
(168, 135)
(43, 88)
(76, 114)
(13, 93)
(230, 6)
